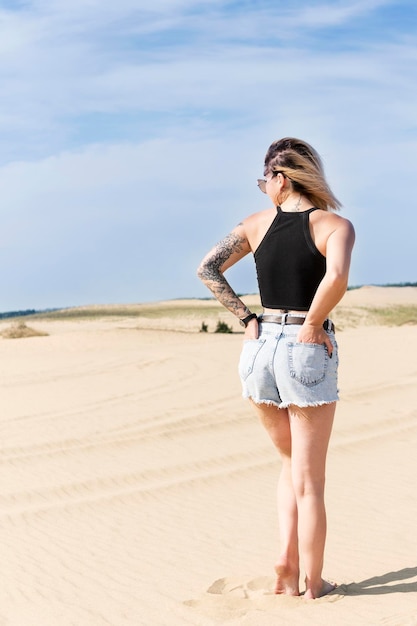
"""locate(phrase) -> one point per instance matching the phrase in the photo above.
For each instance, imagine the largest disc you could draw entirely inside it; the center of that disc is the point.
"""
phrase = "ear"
(282, 181)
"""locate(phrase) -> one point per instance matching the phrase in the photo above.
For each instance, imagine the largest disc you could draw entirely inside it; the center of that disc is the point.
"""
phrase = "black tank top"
(288, 264)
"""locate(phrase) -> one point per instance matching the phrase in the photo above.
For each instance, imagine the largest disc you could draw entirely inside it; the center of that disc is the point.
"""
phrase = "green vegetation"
(351, 287)
(19, 330)
(150, 311)
(396, 315)
(16, 313)
(186, 314)
(222, 327)
(398, 285)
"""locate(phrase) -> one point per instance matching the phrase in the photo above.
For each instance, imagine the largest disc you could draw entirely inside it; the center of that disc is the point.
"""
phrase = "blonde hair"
(301, 164)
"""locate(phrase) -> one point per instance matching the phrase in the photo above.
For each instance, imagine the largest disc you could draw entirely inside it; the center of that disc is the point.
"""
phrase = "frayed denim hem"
(285, 405)
(305, 405)
(268, 402)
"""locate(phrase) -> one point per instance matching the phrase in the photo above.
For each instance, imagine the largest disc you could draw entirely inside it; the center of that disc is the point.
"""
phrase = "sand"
(137, 487)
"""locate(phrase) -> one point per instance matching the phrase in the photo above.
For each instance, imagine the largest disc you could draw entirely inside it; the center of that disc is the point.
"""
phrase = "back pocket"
(307, 362)
(250, 351)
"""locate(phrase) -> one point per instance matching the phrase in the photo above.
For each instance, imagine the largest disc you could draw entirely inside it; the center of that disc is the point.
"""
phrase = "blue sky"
(132, 134)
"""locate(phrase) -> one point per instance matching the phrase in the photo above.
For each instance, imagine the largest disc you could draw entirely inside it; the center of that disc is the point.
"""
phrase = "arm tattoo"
(210, 273)
(224, 250)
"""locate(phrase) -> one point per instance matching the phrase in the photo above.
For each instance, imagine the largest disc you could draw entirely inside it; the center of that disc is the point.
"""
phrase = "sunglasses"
(261, 182)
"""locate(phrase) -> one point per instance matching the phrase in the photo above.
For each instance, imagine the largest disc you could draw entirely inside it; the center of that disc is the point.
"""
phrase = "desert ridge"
(364, 306)
(138, 488)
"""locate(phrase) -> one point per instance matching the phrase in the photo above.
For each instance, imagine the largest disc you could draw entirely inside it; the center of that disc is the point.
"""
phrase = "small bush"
(18, 330)
(204, 327)
(222, 327)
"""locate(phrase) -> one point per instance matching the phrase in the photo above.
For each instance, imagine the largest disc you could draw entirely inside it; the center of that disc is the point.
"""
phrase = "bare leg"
(310, 433)
(276, 422)
(287, 566)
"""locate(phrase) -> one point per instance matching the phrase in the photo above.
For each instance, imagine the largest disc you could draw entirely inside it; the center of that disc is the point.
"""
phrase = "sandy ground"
(138, 489)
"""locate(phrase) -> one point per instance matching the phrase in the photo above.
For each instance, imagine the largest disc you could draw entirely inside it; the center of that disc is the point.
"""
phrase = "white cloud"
(335, 13)
(103, 220)
(62, 63)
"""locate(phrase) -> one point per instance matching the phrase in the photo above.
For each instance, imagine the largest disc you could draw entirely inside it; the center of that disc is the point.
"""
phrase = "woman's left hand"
(252, 330)
(315, 334)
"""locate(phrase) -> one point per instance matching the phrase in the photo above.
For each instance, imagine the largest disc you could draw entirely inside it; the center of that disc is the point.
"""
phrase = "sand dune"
(137, 487)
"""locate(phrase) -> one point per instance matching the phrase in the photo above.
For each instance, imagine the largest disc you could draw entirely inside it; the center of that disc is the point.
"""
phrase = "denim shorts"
(275, 369)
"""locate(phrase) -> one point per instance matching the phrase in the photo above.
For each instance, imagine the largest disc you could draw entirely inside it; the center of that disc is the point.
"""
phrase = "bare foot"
(326, 587)
(287, 580)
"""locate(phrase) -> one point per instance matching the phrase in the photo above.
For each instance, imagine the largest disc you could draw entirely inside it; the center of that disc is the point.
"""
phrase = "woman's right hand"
(315, 334)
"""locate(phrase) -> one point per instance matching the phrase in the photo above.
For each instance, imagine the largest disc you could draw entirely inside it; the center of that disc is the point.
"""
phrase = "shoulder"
(260, 216)
(331, 231)
(332, 221)
(340, 236)
(256, 225)
(343, 226)
(258, 220)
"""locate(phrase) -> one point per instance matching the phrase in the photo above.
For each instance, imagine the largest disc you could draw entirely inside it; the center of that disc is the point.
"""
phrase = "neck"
(292, 203)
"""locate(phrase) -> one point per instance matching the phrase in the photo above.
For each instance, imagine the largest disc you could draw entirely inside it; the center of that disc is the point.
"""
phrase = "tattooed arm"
(225, 254)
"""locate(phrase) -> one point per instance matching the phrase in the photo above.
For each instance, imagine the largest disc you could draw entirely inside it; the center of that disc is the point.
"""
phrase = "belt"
(292, 319)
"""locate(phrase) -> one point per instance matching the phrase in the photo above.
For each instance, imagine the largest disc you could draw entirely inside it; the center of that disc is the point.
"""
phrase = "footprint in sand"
(263, 585)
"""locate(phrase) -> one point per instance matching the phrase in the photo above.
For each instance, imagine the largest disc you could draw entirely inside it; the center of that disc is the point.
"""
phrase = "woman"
(288, 365)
